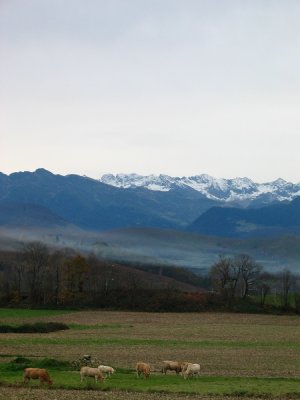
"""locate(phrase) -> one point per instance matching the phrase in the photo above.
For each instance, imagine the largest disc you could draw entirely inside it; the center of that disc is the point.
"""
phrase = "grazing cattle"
(142, 368)
(191, 370)
(37, 373)
(92, 372)
(172, 366)
(107, 370)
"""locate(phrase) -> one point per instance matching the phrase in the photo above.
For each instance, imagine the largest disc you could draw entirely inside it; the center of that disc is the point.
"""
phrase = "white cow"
(191, 370)
(92, 372)
(106, 369)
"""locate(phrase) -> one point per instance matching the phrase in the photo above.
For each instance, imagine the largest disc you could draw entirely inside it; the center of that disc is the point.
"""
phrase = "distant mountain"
(273, 220)
(239, 190)
(124, 201)
(91, 204)
(140, 225)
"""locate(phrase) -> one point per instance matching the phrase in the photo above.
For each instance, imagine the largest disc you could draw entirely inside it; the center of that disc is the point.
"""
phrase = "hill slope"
(23, 214)
(273, 220)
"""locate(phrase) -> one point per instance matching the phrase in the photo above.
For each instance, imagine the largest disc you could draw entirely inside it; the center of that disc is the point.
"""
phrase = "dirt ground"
(44, 394)
(224, 344)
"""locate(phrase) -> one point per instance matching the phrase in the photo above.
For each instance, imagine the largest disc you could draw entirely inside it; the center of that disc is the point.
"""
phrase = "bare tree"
(220, 274)
(18, 269)
(264, 285)
(57, 263)
(75, 276)
(35, 256)
(287, 281)
(249, 272)
(225, 275)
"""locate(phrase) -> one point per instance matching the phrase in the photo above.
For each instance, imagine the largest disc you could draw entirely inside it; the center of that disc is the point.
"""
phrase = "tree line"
(39, 277)
(236, 279)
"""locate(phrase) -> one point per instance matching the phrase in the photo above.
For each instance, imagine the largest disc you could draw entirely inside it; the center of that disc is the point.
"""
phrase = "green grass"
(6, 313)
(240, 386)
(275, 300)
(150, 342)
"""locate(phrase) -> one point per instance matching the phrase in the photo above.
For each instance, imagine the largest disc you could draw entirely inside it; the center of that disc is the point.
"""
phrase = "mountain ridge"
(227, 190)
(94, 205)
(79, 211)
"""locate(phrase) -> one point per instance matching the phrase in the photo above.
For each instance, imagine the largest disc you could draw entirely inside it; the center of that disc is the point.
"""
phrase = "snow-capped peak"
(151, 182)
(237, 189)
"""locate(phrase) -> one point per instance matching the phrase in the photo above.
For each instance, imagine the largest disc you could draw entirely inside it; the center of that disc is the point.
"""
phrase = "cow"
(37, 373)
(172, 366)
(106, 369)
(191, 370)
(142, 368)
(92, 372)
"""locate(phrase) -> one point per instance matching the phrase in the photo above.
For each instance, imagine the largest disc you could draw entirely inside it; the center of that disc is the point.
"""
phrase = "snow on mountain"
(237, 189)
(161, 183)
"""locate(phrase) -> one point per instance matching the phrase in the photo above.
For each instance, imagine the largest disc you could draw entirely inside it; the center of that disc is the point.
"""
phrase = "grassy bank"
(127, 381)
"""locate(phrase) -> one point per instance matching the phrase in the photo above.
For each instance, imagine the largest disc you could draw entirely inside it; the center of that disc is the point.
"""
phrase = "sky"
(179, 87)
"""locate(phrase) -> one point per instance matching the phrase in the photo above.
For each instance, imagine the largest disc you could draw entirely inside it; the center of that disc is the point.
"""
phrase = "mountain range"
(91, 204)
(170, 223)
(242, 191)
(202, 204)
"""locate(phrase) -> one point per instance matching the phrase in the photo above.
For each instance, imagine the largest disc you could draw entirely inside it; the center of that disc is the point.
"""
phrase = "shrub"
(52, 363)
(21, 360)
(19, 363)
(38, 327)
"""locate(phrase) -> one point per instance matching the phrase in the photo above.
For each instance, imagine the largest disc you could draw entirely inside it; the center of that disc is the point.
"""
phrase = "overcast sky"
(180, 87)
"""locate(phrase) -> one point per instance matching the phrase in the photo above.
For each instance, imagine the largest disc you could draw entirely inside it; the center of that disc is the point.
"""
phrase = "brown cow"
(142, 368)
(172, 366)
(37, 373)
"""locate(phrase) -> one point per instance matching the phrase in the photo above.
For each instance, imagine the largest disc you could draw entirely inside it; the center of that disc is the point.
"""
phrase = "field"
(241, 355)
